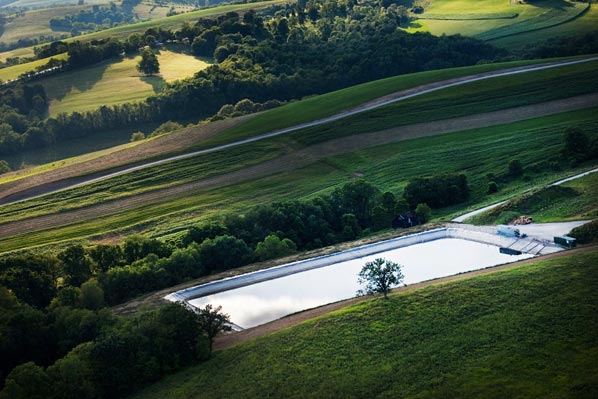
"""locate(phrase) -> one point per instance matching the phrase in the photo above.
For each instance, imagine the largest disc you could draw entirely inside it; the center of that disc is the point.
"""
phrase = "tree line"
(286, 52)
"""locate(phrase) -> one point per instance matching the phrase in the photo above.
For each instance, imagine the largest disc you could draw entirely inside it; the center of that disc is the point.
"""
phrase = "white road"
(368, 106)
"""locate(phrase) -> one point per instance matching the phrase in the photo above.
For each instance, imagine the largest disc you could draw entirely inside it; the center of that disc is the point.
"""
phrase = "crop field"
(389, 167)
(501, 19)
(574, 200)
(91, 87)
(13, 72)
(520, 333)
(167, 22)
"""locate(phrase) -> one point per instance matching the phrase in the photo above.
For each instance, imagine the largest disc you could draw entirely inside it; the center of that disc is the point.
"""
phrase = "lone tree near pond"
(148, 65)
(211, 322)
(380, 276)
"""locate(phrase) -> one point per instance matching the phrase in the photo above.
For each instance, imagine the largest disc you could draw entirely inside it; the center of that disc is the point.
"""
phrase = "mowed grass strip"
(527, 332)
(389, 167)
(13, 72)
(115, 82)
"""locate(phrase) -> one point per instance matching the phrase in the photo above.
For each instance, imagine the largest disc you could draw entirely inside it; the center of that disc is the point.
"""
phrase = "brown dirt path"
(301, 158)
(231, 339)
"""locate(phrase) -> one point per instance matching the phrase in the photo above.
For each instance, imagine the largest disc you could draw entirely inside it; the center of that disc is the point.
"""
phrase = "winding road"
(368, 106)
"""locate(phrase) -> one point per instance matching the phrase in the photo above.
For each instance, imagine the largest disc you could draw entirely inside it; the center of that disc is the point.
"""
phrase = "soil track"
(227, 340)
(303, 158)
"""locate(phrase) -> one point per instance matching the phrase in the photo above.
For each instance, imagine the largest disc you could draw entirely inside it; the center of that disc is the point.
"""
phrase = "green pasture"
(527, 332)
(110, 82)
(389, 167)
(501, 19)
(573, 200)
(586, 22)
(482, 96)
(13, 72)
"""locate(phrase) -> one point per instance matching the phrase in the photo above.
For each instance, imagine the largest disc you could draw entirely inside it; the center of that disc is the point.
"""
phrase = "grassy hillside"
(389, 167)
(505, 23)
(91, 87)
(573, 200)
(293, 113)
(528, 332)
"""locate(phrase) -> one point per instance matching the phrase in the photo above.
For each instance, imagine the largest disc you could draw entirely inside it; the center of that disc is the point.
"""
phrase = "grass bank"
(521, 333)
(574, 200)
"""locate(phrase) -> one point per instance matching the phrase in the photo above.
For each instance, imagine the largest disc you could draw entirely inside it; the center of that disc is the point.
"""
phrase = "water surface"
(262, 302)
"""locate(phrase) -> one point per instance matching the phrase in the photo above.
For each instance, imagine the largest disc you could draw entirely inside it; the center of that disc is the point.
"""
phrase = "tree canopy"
(379, 276)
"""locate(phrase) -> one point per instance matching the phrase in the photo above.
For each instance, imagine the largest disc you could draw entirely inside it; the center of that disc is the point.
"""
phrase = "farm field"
(501, 22)
(505, 334)
(167, 22)
(92, 87)
(389, 167)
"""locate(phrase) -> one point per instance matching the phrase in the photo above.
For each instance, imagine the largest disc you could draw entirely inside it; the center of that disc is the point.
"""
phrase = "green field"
(528, 332)
(574, 200)
(89, 88)
(165, 23)
(482, 96)
(389, 167)
(290, 114)
(505, 23)
(13, 72)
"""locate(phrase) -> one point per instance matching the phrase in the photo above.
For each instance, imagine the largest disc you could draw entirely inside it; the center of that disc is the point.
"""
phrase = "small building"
(565, 241)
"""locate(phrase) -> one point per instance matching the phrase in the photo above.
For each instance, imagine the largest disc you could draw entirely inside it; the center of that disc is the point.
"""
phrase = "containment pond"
(265, 301)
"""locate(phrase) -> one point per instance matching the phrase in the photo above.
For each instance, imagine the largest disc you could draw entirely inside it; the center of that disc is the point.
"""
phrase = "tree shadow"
(156, 81)
(59, 86)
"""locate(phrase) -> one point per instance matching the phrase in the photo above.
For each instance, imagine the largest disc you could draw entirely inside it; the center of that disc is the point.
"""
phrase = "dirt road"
(302, 158)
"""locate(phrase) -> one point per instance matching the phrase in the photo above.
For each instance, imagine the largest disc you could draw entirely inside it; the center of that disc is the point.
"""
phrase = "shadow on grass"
(156, 81)
(82, 80)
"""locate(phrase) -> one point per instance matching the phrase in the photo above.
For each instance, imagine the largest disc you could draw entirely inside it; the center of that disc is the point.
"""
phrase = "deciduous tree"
(379, 276)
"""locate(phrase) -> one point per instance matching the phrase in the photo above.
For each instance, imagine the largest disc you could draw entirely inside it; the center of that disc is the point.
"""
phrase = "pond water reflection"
(262, 302)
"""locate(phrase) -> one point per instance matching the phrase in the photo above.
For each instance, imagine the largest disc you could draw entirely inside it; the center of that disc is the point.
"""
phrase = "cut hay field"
(527, 332)
(119, 82)
(498, 20)
(13, 72)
